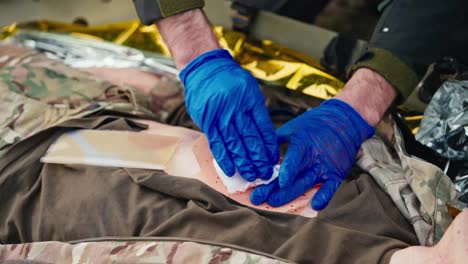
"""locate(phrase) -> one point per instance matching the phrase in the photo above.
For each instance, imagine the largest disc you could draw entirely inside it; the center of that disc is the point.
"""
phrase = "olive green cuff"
(395, 71)
(173, 7)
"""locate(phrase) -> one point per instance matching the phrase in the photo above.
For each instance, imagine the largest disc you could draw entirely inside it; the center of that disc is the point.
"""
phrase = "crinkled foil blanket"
(270, 63)
(445, 128)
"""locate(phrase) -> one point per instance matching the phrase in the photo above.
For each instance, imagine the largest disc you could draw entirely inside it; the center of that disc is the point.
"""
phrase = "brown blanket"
(41, 202)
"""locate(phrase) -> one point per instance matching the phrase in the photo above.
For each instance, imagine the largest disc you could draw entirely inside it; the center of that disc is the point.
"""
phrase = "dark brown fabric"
(57, 202)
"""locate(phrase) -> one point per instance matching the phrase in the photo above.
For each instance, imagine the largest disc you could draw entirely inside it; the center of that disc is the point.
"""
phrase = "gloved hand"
(225, 101)
(323, 143)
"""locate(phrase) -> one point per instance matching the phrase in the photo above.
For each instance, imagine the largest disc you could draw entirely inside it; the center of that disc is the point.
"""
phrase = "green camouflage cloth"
(131, 252)
(419, 189)
(37, 93)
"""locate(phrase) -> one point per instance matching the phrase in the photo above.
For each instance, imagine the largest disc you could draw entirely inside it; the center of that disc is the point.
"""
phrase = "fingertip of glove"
(249, 176)
(319, 204)
(266, 174)
(229, 171)
(257, 197)
(323, 196)
(275, 201)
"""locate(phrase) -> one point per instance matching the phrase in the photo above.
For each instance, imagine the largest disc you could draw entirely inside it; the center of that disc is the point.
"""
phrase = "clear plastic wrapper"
(88, 53)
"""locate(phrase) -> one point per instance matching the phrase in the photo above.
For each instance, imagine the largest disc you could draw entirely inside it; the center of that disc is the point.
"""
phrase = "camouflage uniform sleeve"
(419, 189)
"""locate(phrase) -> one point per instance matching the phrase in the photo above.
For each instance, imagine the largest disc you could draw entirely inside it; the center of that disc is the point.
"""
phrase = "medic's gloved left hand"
(225, 101)
(323, 144)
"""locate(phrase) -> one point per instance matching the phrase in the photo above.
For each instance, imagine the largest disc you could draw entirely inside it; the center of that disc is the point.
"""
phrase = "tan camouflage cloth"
(133, 251)
(419, 189)
(31, 84)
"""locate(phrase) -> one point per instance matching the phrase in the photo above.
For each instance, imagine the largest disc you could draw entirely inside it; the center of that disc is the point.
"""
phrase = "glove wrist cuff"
(352, 118)
(217, 54)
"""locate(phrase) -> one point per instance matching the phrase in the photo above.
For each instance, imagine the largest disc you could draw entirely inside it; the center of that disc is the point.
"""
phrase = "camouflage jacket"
(419, 189)
(164, 250)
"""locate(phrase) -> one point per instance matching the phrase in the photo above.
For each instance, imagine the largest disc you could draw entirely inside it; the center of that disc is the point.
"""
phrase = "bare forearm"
(370, 94)
(418, 255)
(451, 249)
(187, 35)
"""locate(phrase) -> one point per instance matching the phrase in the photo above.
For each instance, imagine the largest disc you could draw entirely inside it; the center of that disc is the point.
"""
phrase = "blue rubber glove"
(225, 101)
(323, 144)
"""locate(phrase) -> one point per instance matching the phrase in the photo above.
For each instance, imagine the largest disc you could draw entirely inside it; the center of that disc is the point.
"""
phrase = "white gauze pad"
(237, 184)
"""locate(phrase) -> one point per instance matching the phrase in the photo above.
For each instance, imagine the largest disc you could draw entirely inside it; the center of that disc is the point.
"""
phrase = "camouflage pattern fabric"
(130, 252)
(419, 189)
(37, 93)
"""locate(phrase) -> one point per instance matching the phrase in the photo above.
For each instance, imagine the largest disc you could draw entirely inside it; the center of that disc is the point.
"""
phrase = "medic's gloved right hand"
(323, 143)
(225, 101)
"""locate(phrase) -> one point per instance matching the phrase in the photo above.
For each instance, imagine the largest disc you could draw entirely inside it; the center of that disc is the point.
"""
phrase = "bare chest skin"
(193, 159)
